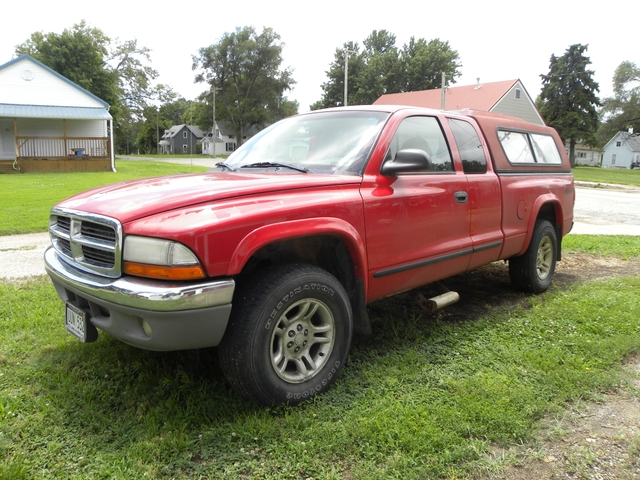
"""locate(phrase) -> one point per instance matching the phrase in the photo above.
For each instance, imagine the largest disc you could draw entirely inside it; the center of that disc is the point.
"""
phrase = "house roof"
(226, 128)
(44, 111)
(175, 129)
(29, 58)
(482, 96)
(631, 139)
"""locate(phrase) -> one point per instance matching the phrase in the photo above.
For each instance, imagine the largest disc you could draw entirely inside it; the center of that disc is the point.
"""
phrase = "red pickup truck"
(274, 254)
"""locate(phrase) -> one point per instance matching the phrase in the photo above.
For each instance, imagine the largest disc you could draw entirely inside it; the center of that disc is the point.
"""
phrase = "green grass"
(607, 175)
(423, 397)
(168, 157)
(621, 246)
(27, 199)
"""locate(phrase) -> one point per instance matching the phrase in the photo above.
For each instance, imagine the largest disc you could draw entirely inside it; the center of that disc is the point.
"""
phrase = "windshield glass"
(323, 142)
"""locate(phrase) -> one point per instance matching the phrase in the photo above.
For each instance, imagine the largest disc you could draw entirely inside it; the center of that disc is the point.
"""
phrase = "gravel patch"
(22, 255)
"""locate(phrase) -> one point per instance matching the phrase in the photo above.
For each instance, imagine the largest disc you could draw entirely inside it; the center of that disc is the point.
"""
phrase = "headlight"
(157, 258)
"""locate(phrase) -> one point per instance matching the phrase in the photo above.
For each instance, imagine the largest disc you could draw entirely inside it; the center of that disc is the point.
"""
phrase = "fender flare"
(267, 234)
(541, 201)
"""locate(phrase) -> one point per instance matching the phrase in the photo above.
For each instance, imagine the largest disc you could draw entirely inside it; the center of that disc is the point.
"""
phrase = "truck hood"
(127, 201)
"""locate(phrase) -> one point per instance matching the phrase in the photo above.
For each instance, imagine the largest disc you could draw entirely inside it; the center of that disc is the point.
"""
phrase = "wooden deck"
(59, 154)
(64, 164)
(6, 166)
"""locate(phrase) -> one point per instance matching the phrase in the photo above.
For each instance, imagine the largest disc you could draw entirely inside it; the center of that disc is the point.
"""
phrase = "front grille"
(98, 258)
(90, 242)
(63, 223)
(95, 230)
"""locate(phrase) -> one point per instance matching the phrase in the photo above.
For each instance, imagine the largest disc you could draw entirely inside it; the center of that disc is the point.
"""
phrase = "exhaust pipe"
(434, 304)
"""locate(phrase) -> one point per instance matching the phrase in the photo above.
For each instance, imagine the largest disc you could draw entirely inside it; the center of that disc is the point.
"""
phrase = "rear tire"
(533, 271)
(289, 335)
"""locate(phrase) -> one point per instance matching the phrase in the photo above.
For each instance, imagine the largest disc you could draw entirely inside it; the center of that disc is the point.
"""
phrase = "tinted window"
(423, 133)
(469, 146)
(516, 146)
(546, 149)
(521, 147)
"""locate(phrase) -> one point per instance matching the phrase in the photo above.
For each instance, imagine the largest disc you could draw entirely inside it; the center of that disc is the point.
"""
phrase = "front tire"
(289, 335)
(533, 271)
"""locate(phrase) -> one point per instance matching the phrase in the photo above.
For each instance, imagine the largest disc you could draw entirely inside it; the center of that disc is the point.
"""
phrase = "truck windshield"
(322, 142)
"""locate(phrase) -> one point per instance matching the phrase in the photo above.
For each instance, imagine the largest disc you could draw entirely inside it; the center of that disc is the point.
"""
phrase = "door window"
(423, 133)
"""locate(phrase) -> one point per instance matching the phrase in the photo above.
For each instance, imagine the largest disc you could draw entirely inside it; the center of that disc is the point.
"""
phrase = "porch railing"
(63, 147)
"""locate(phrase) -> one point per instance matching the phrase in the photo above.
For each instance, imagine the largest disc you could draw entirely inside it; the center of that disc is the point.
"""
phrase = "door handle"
(461, 197)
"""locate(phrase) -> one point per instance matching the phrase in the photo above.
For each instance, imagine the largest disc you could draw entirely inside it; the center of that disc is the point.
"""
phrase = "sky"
(496, 40)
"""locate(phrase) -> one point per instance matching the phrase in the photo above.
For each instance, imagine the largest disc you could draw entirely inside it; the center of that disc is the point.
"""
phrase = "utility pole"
(213, 127)
(442, 95)
(347, 52)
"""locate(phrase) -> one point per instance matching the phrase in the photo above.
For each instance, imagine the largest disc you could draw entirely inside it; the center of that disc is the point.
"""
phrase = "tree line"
(243, 71)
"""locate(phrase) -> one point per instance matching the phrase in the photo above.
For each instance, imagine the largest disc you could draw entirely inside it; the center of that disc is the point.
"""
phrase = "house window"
(184, 134)
(618, 144)
(517, 94)
(184, 148)
(231, 146)
(613, 159)
(581, 154)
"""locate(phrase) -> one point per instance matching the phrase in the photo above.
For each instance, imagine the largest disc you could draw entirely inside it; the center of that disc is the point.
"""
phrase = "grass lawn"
(423, 397)
(168, 157)
(607, 175)
(26, 199)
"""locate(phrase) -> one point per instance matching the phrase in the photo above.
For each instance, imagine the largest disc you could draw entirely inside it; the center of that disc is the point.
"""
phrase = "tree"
(383, 68)
(333, 88)
(245, 67)
(568, 99)
(423, 63)
(116, 72)
(622, 111)
(380, 69)
(79, 54)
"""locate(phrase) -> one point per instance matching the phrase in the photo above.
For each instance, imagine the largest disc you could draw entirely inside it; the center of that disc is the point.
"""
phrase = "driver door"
(417, 223)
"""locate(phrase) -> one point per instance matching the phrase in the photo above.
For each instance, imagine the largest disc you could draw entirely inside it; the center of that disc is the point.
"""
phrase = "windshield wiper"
(224, 165)
(276, 164)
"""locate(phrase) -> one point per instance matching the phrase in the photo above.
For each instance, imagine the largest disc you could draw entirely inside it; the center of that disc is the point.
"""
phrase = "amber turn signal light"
(162, 272)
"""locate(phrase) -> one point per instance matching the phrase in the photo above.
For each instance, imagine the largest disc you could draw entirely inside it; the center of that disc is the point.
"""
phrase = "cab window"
(423, 133)
(469, 146)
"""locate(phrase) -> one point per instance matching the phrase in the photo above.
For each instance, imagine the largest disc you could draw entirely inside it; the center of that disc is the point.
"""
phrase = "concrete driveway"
(598, 211)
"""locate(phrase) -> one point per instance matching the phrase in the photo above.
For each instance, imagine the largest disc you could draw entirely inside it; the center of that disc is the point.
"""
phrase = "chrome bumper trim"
(155, 295)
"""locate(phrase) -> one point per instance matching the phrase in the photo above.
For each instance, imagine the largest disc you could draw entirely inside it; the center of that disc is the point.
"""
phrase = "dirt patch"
(591, 440)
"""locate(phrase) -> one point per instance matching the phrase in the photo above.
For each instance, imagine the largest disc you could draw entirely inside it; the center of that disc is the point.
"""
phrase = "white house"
(621, 150)
(225, 143)
(585, 155)
(48, 123)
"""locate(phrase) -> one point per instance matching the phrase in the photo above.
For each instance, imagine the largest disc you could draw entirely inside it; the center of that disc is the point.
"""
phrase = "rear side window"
(524, 147)
(545, 149)
(469, 146)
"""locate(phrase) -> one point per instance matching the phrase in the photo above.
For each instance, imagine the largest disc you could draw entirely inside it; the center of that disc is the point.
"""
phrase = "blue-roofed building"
(50, 124)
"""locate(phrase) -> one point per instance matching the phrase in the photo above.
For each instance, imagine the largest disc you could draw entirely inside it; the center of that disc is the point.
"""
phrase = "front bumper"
(149, 314)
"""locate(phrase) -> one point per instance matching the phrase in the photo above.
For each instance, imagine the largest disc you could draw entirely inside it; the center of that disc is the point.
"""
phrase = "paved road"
(598, 211)
(604, 211)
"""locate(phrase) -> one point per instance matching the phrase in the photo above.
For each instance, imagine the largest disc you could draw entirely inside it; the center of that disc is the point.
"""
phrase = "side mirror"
(407, 160)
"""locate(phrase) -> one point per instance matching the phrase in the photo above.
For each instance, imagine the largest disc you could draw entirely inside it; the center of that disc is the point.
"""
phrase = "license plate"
(77, 323)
